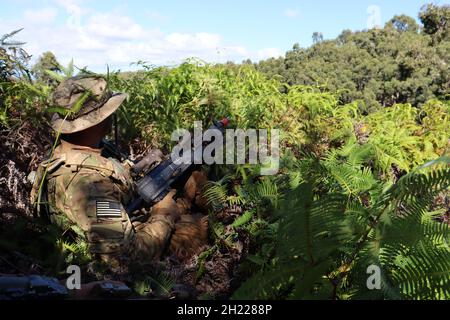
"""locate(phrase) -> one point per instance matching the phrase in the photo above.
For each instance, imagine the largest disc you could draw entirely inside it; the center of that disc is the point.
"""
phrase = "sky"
(97, 33)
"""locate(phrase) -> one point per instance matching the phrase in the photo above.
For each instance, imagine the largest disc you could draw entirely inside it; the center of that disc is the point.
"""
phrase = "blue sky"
(96, 33)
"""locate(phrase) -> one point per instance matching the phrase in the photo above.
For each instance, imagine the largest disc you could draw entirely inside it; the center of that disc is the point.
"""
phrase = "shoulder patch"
(108, 209)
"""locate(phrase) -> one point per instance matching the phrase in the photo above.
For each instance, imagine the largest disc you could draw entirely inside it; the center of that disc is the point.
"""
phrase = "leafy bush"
(333, 227)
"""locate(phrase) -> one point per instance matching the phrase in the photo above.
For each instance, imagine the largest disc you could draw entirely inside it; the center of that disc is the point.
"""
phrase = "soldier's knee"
(152, 237)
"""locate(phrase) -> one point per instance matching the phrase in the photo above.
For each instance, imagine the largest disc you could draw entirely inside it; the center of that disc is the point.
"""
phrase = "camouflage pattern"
(190, 235)
(92, 191)
(82, 180)
(97, 103)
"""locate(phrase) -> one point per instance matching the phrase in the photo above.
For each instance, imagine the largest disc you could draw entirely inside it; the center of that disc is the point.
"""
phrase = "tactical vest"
(111, 238)
(69, 161)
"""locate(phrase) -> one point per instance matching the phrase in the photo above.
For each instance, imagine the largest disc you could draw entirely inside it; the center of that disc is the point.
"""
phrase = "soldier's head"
(84, 106)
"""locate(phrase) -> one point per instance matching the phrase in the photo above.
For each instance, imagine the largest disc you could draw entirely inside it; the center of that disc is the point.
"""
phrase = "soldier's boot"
(190, 236)
(193, 189)
(184, 206)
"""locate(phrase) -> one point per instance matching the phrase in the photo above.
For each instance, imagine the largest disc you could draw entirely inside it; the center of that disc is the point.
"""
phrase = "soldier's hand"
(167, 206)
(154, 156)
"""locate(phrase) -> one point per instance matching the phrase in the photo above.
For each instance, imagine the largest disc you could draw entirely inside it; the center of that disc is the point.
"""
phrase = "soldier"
(92, 191)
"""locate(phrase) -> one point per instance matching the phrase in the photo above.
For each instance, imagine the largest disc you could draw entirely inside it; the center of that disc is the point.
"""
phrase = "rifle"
(156, 184)
(21, 287)
(30, 287)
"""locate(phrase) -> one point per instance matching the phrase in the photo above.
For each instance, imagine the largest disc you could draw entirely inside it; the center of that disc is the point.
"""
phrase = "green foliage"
(400, 139)
(13, 59)
(53, 247)
(22, 101)
(403, 23)
(259, 196)
(435, 21)
(378, 67)
(243, 219)
(46, 63)
(326, 240)
(158, 284)
(17, 98)
(162, 100)
(410, 244)
(308, 235)
(216, 193)
(359, 118)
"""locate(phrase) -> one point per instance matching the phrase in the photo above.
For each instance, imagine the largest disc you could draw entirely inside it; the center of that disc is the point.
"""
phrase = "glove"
(167, 206)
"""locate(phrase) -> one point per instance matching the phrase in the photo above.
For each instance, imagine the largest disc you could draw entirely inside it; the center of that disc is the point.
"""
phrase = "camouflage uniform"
(91, 190)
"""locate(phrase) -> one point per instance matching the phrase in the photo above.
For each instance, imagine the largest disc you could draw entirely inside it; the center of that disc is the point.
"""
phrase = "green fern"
(308, 237)
(325, 243)
(216, 192)
(245, 218)
(410, 247)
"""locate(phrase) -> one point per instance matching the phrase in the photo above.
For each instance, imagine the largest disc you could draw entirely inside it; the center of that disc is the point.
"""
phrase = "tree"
(344, 36)
(403, 23)
(46, 62)
(13, 59)
(436, 21)
(377, 67)
(317, 37)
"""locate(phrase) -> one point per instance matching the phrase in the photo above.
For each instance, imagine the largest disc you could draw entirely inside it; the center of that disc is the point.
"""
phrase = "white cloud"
(95, 39)
(41, 16)
(208, 40)
(179, 40)
(112, 26)
(191, 41)
(156, 16)
(292, 13)
(269, 53)
(71, 6)
(240, 50)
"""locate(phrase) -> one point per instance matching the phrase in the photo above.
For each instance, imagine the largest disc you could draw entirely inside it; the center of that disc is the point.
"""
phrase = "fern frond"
(243, 219)
(421, 185)
(216, 192)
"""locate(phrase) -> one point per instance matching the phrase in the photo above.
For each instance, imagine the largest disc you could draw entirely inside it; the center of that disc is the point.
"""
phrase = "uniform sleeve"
(151, 238)
(94, 202)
